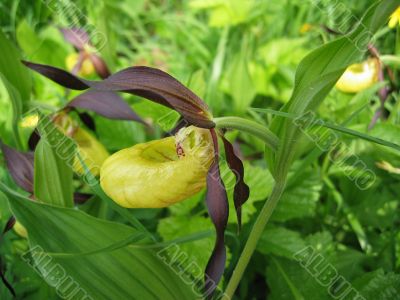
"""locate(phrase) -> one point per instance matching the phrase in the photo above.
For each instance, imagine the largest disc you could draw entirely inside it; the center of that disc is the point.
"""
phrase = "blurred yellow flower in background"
(85, 69)
(395, 18)
(29, 121)
(306, 27)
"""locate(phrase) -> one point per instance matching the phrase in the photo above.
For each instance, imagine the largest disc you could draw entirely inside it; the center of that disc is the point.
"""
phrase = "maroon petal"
(9, 225)
(100, 66)
(150, 83)
(59, 76)
(218, 209)
(105, 103)
(242, 191)
(160, 87)
(81, 198)
(33, 140)
(87, 120)
(76, 36)
(20, 165)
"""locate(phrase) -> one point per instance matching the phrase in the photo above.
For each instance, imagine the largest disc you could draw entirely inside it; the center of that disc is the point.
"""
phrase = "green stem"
(254, 236)
(250, 127)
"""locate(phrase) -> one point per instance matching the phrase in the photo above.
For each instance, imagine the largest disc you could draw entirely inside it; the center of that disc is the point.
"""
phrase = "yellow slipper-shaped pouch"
(161, 172)
(359, 77)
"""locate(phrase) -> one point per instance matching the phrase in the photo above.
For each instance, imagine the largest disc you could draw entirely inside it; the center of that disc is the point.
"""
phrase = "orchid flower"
(85, 61)
(162, 172)
(395, 18)
(359, 77)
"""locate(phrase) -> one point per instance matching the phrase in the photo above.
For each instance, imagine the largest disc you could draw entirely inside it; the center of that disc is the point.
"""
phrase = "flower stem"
(254, 236)
(250, 127)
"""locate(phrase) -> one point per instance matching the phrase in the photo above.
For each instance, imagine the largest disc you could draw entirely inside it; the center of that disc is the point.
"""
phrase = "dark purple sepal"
(81, 198)
(87, 120)
(162, 88)
(59, 76)
(241, 191)
(105, 103)
(218, 209)
(20, 166)
(150, 83)
(9, 225)
(33, 140)
(100, 66)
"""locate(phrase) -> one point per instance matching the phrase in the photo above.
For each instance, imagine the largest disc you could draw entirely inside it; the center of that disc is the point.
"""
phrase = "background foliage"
(235, 55)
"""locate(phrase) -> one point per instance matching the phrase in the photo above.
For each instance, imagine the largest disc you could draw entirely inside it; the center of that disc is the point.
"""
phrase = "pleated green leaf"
(124, 273)
(54, 156)
(16, 80)
(316, 76)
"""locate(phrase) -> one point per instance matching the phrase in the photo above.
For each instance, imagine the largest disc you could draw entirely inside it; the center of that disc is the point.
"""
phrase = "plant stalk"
(251, 127)
(255, 234)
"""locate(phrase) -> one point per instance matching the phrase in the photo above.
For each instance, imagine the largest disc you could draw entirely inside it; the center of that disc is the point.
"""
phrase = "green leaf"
(184, 208)
(375, 207)
(54, 157)
(281, 242)
(126, 273)
(46, 46)
(16, 105)
(12, 68)
(310, 272)
(299, 200)
(378, 285)
(118, 134)
(273, 76)
(197, 83)
(159, 114)
(197, 252)
(288, 280)
(17, 81)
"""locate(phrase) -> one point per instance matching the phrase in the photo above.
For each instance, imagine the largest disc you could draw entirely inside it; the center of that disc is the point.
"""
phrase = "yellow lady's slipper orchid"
(395, 18)
(20, 230)
(87, 67)
(359, 77)
(159, 173)
(90, 149)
